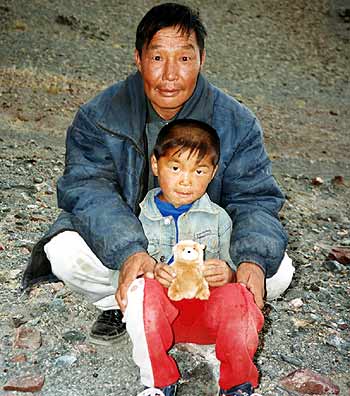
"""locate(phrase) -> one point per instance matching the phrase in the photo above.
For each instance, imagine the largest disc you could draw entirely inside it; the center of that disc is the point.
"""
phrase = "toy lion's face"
(188, 251)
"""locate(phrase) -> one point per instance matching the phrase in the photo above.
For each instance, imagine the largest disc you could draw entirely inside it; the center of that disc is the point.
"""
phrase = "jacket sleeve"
(91, 192)
(252, 198)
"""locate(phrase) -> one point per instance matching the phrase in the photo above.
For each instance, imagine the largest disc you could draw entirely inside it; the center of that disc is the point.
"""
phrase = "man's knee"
(280, 282)
(62, 251)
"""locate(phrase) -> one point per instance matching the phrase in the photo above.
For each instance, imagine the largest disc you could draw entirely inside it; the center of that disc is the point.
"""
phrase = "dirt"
(289, 62)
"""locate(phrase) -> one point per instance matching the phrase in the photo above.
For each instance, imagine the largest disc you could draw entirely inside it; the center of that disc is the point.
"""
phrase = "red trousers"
(229, 319)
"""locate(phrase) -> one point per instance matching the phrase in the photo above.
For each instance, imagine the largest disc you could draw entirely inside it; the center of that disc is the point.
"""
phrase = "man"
(97, 245)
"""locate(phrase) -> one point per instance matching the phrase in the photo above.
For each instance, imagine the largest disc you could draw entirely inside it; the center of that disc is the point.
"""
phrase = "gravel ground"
(289, 62)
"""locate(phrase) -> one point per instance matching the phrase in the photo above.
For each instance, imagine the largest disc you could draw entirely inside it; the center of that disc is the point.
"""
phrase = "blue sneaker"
(245, 389)
(169, 390)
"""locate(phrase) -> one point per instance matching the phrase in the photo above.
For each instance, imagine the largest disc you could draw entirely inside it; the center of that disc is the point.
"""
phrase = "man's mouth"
(168, 91)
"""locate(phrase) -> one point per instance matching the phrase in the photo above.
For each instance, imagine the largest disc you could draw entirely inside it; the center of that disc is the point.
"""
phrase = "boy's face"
(181, 178)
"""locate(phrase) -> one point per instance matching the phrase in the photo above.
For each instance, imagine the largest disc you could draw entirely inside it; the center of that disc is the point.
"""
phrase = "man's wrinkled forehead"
(187, 38)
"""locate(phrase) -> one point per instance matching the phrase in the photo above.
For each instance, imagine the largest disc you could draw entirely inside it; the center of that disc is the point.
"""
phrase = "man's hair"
(167, 15)
(186, 134)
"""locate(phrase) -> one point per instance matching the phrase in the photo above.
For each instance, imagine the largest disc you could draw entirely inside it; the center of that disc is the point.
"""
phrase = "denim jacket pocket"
(211, 242)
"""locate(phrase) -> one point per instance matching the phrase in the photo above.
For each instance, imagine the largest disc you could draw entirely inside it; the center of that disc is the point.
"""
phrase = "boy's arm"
(221, 271)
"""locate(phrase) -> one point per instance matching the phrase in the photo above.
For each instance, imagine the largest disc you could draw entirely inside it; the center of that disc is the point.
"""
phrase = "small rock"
(308, 382)
(19, 320)
(340, 254)
(300, 323)
(336, 342)
(27, 338)
(333, 266)
(13, 274)
(317, 181)
(65, 360)
(38, 180)
(28, 383)
(291, 360)
(296, 303)
(338, 180)
(19, 358)
(74, 336)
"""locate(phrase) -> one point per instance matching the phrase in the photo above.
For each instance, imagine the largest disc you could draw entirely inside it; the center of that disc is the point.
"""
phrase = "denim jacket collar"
(150, 210)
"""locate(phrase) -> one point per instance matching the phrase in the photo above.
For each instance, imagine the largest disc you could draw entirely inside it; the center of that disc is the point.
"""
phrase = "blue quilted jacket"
(105, 178)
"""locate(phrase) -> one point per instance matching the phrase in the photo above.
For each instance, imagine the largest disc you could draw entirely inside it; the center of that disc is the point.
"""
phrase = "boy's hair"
(187, 134)
(167, 15)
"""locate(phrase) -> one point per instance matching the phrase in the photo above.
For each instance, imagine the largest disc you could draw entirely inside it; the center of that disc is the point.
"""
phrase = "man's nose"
(170, 70)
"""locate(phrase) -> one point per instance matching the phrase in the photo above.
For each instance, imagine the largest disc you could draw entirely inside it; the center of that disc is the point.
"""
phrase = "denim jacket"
(205, 222)
(106, 165)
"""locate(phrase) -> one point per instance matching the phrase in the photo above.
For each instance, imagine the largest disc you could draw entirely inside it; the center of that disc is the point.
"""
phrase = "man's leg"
(76, 265)
(279, 283)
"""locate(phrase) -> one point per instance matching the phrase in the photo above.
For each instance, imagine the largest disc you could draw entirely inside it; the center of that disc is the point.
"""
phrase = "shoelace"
(151, 392)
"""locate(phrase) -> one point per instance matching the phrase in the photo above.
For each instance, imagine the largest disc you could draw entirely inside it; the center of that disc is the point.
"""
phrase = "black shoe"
(108, 328)
(245, 389)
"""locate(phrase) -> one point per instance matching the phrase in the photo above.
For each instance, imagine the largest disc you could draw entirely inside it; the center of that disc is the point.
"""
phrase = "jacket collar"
(125, 113)
(150, 210)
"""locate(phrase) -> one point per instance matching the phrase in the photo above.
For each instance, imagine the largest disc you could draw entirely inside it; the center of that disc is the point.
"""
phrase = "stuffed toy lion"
(188, 265)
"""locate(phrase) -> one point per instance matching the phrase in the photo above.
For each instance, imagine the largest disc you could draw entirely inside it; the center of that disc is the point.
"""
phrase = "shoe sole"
(106, 341)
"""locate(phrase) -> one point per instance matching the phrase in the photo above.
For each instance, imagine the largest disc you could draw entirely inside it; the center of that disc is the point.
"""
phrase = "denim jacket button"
(167, 221)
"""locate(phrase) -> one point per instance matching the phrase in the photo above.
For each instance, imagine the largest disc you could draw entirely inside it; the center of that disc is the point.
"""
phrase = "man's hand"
(136, 265)
(217, 272)
(164, 274)
(253, 277)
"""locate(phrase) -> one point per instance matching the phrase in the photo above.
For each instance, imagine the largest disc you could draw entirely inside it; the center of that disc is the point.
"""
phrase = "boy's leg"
(231, 320)
(76, 265)
(149, 316)
(279, 283)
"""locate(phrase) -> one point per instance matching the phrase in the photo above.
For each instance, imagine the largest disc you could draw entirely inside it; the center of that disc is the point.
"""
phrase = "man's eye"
(185, 58)
(175, 168)
(156, 57)
(199, 171)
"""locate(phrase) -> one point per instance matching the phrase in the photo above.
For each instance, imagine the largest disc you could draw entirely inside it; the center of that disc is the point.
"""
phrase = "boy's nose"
(185, 179)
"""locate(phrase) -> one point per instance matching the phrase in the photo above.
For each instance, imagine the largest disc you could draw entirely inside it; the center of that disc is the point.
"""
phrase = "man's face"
(169, 66)
(182, 178)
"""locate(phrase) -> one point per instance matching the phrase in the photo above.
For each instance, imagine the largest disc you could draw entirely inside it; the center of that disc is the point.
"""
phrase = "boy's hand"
(164, 274)
(253, 277)
(136, 265)
(217, 272)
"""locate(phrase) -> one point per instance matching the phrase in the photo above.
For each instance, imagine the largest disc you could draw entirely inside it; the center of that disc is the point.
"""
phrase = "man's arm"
(91, 191)
(252, 198)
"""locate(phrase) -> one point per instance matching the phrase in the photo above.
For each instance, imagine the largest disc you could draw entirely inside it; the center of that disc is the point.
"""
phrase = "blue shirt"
(168, 209)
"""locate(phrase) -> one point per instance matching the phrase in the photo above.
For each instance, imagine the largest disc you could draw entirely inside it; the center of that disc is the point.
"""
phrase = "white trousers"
(77, 266)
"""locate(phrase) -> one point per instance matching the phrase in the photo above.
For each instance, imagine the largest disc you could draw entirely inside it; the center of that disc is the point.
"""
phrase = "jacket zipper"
(142, 178)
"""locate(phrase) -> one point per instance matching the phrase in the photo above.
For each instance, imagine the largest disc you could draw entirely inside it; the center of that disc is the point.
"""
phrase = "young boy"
(185, 160)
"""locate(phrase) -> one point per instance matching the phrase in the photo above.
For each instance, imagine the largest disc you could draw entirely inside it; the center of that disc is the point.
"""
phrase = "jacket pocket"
(211, 242)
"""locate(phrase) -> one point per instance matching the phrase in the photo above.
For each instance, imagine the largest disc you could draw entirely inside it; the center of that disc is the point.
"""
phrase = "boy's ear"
(154, 165)
(214, 172)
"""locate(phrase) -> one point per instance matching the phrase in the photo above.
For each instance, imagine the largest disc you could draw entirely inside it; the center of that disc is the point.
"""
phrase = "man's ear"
(154, 165)
(203, 57)
(137, 58)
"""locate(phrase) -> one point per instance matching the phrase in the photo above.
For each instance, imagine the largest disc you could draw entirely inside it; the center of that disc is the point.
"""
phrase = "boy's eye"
(199, 171)
(175, 168)
(156, 57)
(185, 58)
